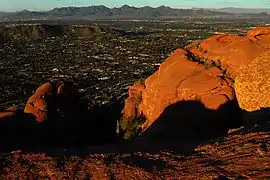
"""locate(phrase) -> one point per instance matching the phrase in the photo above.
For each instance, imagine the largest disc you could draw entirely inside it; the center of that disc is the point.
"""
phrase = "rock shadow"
(75, 126)
(257, 120)
(18, 131)
(184, 125)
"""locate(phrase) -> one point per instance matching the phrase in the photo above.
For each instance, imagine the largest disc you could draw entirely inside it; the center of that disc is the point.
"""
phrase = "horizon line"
(33, 10)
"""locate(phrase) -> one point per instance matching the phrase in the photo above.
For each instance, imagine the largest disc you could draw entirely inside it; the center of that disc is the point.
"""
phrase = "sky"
(43, 5)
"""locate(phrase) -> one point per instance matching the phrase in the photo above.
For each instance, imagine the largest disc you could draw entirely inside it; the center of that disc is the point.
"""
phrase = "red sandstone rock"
(130, 110)
(229, 51)
(252, 87)
(180, 79)
(257, 33)
(6, 114)
(37, 103)
(9, 112)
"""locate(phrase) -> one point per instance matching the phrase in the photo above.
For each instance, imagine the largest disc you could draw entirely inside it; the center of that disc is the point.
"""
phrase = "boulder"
(178, 80)
(130, 110)
(252, 86)
(6, 114)
(259, 32)
(37, 104)
(227, 51)
(9, 112)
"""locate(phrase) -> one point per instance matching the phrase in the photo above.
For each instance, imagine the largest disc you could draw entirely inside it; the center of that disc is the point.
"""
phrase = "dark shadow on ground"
(75, 126)
(184, 125)
(179, 129)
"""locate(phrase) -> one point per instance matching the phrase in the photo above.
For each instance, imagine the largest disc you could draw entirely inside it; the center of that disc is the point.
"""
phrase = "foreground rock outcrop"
(230, 52)
(38, 103)
(180, 79)
(205, 72)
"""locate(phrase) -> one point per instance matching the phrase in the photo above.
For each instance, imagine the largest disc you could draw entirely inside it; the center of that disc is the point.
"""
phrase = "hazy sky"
(15, 5)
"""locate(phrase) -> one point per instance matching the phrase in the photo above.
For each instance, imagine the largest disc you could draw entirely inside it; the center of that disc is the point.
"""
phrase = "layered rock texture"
(231, 51)
(180, 79)
(131, 103)
(205, 72)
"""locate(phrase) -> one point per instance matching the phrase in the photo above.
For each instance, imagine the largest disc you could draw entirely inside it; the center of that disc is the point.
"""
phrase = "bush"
(129, 129)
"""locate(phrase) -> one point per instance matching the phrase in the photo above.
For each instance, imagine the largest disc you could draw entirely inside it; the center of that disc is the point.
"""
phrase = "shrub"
(129, 129)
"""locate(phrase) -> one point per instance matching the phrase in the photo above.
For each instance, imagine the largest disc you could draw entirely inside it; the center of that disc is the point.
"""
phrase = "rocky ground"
(240, 155)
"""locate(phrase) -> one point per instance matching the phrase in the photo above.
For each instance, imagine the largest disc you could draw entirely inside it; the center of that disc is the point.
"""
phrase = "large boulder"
(252, 86)
(230, 51)
(178, 80)
(37, 104)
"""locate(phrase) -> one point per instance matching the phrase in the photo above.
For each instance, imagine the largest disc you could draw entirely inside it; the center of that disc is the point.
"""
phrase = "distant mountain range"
(234, 10)
(127, 12)
(243, 10)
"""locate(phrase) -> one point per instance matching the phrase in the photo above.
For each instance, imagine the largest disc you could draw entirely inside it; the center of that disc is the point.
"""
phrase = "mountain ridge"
(126, 12)
(103, 12)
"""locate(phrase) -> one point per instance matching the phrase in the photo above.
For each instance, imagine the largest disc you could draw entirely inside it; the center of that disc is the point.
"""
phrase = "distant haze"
(243, 10)
(44, 5)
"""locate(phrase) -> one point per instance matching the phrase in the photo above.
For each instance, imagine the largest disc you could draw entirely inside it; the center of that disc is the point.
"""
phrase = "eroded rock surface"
(130, 110)
(259, 33)
(180, 79)
(252, 84)
(252, 88)
(228, 51)
(37, 105)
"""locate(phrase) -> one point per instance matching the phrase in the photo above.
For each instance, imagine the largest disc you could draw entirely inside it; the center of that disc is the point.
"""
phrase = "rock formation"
(192, 93)
(258, 33)
(205, 72)
(180, 79)
(231, 51)
(130, 110)
(252, 86)
(9, 112)
(38, 103)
